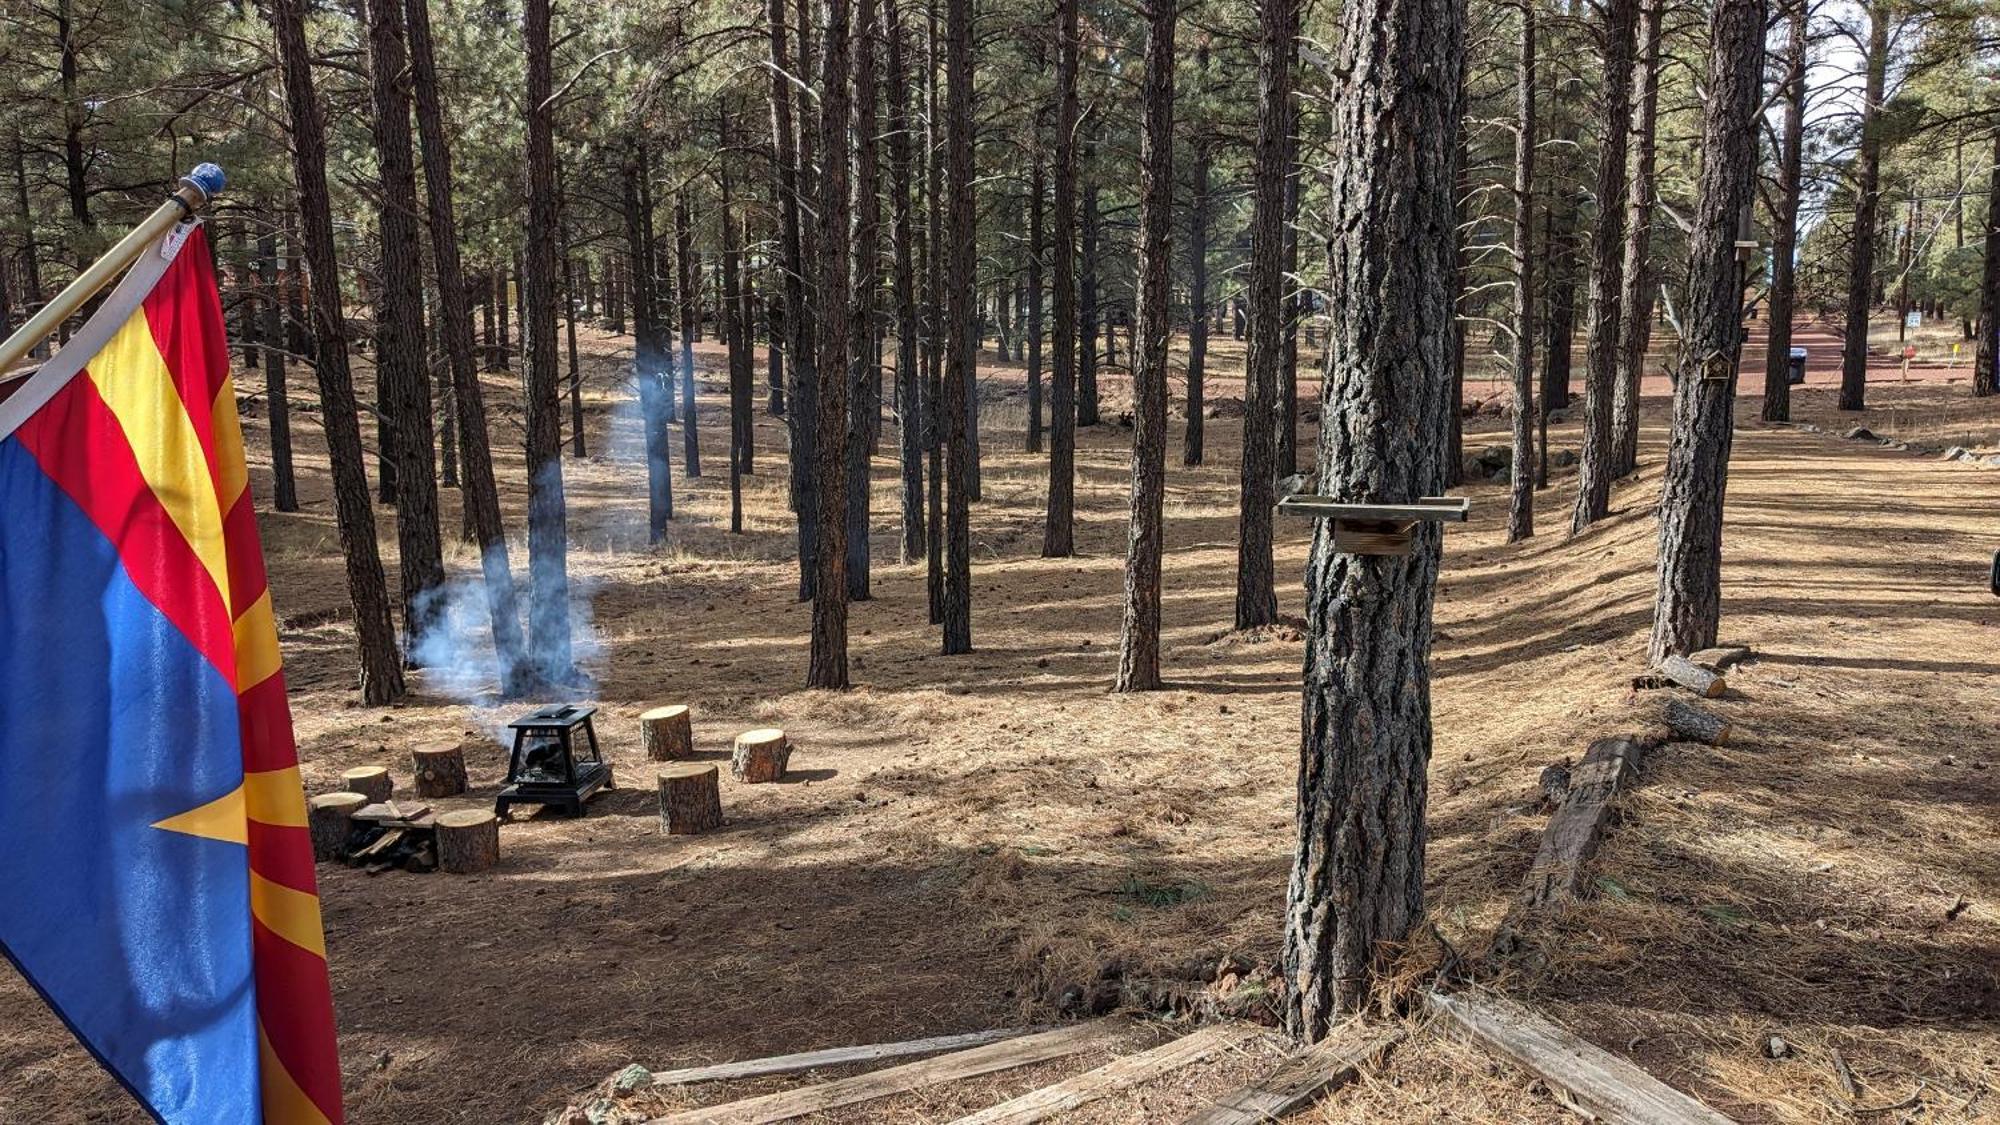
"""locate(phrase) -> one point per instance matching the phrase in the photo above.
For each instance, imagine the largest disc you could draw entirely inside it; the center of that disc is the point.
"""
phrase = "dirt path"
(966, 841)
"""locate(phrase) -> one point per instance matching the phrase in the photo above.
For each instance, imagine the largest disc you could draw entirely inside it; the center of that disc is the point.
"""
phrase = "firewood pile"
(375, 832)
(388, 835)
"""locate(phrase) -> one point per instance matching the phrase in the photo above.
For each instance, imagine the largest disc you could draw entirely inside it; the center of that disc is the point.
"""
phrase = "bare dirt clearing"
(981, 841)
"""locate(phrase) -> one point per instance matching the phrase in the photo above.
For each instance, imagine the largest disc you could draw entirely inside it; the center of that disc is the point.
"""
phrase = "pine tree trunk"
(1986, 361)
(828, 665)
(1197, 368)
(934, 359)
(1277, 50)
(1286, 452)
(277, 393)
(865, 402)
(1059, 534)
(649, 366)
(1038, 190)
(962, 240)
(1867, 200)
(1087, 413)
(909, 398)
(367, 589)
(1688, 608)
(1139, 639)
(1607, 268)
(1635, 324)
(481, 496)
(684, 275)
(1521, 492)
(729, 331)
(1357, 884)
(1785, 222)
(548, 541)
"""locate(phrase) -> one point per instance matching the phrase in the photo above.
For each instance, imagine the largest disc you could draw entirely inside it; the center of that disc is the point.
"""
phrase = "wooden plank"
(1115, 1076)
(1599, 1085)
(1577, 826)
(836, 1056)
(1302, 1079)
(1006, 1055)
(1454, 509)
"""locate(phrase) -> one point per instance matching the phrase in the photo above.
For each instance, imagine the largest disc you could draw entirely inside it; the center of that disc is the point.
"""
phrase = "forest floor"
(973, 842)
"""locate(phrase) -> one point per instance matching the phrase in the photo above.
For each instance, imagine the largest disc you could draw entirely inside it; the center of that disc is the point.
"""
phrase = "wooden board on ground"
(1113, 1077)
(836, 1056)
(1331, 1063)
(1006, 1055)
(1577, 826)
(1595, 1082)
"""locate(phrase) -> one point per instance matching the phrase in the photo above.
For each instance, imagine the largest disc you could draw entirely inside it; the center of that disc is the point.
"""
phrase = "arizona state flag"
(156, 878)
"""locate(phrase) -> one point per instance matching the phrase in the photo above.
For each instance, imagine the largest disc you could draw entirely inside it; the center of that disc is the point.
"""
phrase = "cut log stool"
(1697, 724)
(372, 782)
(668, 733)
(467, 841)
(330, 822)
(689, 799)
(760, 755)
(440, 770)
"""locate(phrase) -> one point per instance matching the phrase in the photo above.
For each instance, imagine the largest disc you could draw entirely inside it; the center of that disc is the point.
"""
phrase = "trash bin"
(1797, 373)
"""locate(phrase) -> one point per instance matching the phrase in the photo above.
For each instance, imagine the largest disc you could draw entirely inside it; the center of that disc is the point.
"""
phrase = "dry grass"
(967, 841)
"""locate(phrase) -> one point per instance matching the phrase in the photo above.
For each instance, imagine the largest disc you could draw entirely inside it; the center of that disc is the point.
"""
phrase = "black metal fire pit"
(548, 767)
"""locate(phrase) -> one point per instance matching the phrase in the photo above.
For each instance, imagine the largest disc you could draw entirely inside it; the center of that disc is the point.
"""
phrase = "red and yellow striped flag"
(159, 890)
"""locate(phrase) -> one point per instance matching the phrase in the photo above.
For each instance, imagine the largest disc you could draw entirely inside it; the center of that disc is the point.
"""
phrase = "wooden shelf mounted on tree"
(1377, 529)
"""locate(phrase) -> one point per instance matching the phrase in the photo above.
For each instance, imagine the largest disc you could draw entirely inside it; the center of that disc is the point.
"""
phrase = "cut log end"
(668, 733)
(372, 782)
(468, 841)
(690, 799)
(330, 824)
(761, 755)
(440, 771)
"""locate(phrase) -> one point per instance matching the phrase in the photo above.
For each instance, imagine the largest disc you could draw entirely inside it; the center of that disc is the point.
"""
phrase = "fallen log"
(1692, 676)
(1600, 1085)
(1696, 724)
(1331, 1063)
(1113, 1077)
(1721, 658)
(1577, 826)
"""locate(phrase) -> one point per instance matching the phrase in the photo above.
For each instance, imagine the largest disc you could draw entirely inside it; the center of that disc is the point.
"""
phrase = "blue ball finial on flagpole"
(207, 179)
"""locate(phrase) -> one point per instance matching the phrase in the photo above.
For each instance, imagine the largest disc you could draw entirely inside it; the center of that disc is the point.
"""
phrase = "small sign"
(1913, 319)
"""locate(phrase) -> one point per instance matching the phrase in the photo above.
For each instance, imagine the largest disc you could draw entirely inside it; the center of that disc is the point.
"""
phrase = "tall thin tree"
(1059, 532)
(1521, 493)
(1777, 405)
(828, 664)
(1867, 203)
(1635, 317)
(909, 396)
(958, 315)
(548, 535)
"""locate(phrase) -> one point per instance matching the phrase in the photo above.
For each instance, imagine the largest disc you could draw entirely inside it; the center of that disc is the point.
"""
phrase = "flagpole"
(196, 189)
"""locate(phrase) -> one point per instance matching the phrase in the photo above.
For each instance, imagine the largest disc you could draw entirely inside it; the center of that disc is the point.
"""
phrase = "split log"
(440, 770)
(761, 755)
(372, 782)
(689, 799)
(1696, 724)
(668, 733)
(1692, 676)
(1577, 827)
(467, 841)
(330, 821)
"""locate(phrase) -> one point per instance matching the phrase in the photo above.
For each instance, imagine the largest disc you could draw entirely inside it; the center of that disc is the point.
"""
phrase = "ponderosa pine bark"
(934, 352)
(1867, 202)
(1285, 451)
(1357, 884)
(729, 329)
(1688, 606)
(403, 374)
(1037, 251)
(1059, 532)
(865, 402)
(367, 589)
(1986, 359)
(277, 392)
(963, 260)
(1607, 268)
(548, 535)
(1777, 405)
(1197, 333)
(480, 495)
(1087, 405)
(649, 366)
(684, 275)
(828, 665)
(1635, 322)
(909, 395)
(1139, 638)
(1521, 490)
(1277, 52)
